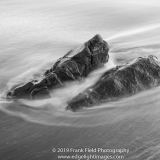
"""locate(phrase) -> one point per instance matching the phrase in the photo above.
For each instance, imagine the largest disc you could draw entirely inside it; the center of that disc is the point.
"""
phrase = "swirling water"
(34, 34)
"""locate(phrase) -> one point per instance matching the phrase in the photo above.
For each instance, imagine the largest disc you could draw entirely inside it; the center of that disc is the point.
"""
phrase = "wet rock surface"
(75, 65)
(119, 82)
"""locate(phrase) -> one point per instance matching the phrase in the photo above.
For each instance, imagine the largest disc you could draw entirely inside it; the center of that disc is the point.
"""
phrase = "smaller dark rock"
(138, 75)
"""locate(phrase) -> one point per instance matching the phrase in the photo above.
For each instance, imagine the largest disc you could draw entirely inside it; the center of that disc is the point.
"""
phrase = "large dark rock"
(75, 65)
(121, 81)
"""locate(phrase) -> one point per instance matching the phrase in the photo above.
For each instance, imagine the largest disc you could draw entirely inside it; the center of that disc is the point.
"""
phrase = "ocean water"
(33, 35)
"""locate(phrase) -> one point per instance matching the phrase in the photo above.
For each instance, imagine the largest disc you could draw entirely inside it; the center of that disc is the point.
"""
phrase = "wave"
(52, 111)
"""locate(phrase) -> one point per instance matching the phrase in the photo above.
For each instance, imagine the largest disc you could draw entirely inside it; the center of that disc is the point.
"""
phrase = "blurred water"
(34, 34)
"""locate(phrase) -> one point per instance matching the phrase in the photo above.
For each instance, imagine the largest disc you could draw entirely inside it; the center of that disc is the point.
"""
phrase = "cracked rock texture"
(122, 81)
(75, 65)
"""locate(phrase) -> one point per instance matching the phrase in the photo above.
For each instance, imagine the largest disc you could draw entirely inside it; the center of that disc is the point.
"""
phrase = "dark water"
(33, 35)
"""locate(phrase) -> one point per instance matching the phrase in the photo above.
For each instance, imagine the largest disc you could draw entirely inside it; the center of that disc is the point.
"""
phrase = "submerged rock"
(121, 81)
(75, 65)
